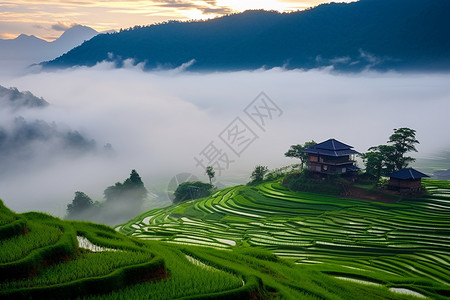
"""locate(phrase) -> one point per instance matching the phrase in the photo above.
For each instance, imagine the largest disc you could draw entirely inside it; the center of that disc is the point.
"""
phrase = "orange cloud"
(61, 26)
(7, 36)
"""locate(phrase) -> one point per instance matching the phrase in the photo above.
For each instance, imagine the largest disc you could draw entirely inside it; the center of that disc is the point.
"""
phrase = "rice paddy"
(404, 242)
(258, 242)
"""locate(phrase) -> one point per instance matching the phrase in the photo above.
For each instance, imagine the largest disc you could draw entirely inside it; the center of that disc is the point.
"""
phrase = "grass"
(6, 215)
(82, 266)
(288, 245)
(19, 246)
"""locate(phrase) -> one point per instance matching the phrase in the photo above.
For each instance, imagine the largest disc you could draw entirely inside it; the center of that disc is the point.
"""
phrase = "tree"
(135, 186)
(258, 174)
(124, 200)
(403, 140)
(192, 190)
(296, 151)
(113, 192)
(81, 203)
(211, 173)
(132, 189)
(383, 160)
(379, 160)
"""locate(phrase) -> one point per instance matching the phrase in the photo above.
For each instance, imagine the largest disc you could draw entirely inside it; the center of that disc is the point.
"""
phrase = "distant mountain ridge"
(28, 49)
(375, 34)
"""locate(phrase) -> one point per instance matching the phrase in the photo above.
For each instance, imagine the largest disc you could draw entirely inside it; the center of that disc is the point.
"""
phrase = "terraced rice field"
(42, 257)
(261, 242)
(404, 245)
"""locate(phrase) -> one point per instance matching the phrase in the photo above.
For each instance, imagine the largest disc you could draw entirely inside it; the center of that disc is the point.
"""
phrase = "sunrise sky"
(48, 19)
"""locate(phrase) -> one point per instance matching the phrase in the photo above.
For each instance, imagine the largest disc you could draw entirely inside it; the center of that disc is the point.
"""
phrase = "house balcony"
(339, 168)
(331, 161)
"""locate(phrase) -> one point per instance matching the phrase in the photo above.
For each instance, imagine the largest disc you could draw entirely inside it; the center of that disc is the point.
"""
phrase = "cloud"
(363, 61)
(21, 140)
(26, 142)
(60, 26)
(206, 7)
(8, 36)
(159, 121)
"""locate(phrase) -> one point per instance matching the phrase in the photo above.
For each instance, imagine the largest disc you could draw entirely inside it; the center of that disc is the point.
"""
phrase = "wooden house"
(406, 180)
(331, 157)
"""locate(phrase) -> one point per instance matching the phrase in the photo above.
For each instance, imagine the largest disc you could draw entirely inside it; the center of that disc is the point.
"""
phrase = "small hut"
(331, 157)
(406, 180)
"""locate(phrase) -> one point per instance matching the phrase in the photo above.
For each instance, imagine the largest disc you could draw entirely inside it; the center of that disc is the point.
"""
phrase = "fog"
(157, 122)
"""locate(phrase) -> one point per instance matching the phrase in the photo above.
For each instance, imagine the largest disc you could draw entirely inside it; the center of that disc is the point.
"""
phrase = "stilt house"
(406, 180)
(332, 157)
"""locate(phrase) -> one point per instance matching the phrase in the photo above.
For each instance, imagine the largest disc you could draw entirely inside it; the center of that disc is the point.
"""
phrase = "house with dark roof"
(406, 180)
(331, 157)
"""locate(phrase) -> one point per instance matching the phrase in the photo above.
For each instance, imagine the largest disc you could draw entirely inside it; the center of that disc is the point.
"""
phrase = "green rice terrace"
(243, 242)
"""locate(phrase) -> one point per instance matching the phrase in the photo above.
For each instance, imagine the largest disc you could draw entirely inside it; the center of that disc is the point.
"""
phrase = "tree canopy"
(81, 204)
(403, 140)
(296, 151)
(383, 160)
(258, 174)
(124, 200)
(192, 190)
(132, 190)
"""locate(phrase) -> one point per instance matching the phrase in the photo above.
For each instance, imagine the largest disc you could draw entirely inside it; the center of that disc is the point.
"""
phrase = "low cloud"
(159, 121)
(27, 142)
(206, 7)
(364, 61)
(60, 26)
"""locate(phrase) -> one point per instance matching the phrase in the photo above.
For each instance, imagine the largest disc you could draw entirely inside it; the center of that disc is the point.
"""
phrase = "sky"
(50, 18)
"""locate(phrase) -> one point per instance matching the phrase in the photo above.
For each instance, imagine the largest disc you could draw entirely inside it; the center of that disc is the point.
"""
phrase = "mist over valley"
(157, 122)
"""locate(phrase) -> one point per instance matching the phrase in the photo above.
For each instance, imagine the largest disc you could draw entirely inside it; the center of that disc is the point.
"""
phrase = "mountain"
(377, 34)
(74, 37)
(27, 49)
(15, 99)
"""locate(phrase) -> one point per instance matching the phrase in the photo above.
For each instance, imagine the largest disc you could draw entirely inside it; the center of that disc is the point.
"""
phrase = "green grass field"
(259, 242)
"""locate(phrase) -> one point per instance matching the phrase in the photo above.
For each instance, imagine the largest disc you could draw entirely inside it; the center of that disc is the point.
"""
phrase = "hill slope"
(379, 34)
(42, 257)
(403, 245)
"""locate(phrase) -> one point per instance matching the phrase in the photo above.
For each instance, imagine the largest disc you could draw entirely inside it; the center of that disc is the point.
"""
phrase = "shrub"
(192, 190)
(305, 182)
